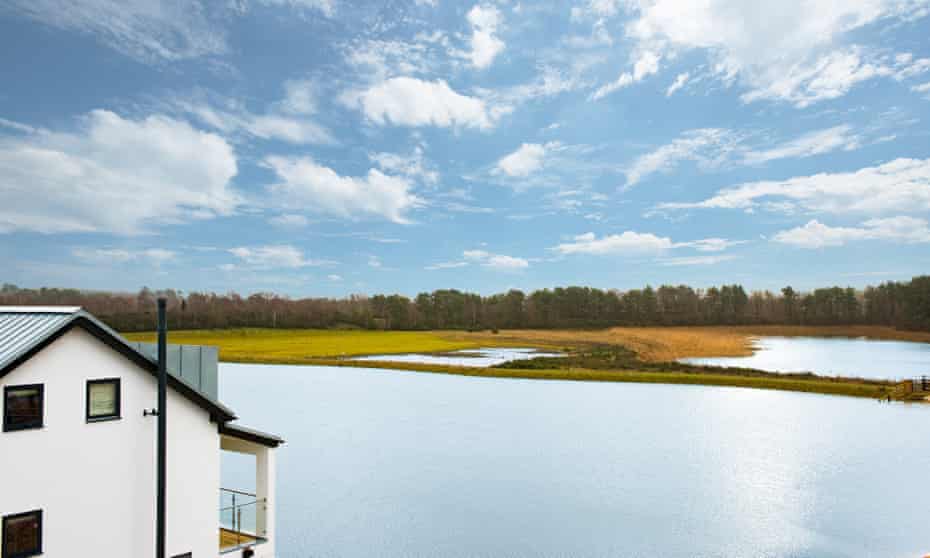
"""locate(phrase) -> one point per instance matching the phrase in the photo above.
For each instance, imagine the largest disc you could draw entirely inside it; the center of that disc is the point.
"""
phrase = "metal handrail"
(236, 509)
(230, 490)
(239, 506)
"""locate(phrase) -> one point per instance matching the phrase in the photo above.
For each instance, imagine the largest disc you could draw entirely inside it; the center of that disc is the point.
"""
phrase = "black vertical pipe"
(162, 430)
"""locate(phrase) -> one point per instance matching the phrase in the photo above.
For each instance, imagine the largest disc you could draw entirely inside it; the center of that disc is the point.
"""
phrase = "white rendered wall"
(95, 482)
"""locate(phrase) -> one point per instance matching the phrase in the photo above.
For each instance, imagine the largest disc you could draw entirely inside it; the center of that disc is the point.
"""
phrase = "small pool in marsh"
(832, 356)
(479, 358)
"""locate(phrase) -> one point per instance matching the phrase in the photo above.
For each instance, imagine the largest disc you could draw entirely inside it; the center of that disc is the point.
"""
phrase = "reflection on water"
(471, 357)
(390, 463)
(833, 356)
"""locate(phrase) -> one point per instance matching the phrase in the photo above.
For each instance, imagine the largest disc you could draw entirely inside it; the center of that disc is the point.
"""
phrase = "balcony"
(239, 512)
(247, 518)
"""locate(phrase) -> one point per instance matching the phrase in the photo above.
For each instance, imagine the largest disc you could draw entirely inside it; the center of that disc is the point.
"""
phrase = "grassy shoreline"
(639, 355)
(828, 386)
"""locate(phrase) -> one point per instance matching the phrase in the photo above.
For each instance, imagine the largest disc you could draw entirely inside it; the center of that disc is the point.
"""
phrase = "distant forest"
(904, 305)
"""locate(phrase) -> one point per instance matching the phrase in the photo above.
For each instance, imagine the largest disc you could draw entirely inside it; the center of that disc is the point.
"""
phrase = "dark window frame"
(119, 400)
(37, 551)
(7, 427)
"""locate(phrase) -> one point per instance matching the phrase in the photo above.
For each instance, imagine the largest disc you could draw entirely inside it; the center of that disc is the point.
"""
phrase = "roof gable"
(24, 331)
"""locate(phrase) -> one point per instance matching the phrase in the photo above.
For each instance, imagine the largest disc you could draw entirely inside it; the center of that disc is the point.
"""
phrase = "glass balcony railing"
(239, 515)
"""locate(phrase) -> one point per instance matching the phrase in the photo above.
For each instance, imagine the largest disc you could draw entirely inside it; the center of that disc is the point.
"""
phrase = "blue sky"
(327, 147)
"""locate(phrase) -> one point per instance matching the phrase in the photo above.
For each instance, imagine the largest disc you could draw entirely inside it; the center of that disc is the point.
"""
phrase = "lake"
(406, 464)
(479, 358)
(833, 356)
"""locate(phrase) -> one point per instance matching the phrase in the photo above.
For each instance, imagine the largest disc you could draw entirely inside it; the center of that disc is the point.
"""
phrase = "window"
(22, 535)
(103, 400)
(22, 407)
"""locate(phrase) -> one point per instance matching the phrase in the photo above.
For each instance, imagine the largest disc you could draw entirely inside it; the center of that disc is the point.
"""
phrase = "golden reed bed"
(664, 344)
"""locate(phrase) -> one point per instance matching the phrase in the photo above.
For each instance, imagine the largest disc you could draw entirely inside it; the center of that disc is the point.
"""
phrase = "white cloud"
(326, 7)
(679, 82)
(155, 256)
(147, 30)
(634, 243)
(901, 185)
(304, 184)
(406, 101)
(299, 97)
(548, 82)
(595, 9)
(286, 120)
(159, 255)
(446, 265)
(709, 244)
(274, 256)
(829, 76)
(18, 126)
(292, 130)
(696, 260)
(289, 220)
(527, 159)
(485, 19)
(114, 175)
(708, 147)
(922, 88)
(552, 165)
(790, 51)
(475, 254)
(505, 263)
(711, 148)
(376, 60)
(599, 37)
(498, 262)
(815, 234)
(414, 166)
(808, 145)
(623, 80)
(629, 242)
(646, 64)
(374, 261)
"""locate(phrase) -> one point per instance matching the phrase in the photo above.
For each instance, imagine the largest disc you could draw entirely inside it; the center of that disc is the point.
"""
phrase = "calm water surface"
(387, 463)
(469, 357)
(864, 358)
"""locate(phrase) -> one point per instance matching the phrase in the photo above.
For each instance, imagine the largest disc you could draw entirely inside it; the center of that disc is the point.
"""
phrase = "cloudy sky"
(327, 147)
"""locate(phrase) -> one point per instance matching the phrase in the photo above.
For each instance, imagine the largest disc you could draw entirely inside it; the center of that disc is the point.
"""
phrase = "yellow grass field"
(302, 345)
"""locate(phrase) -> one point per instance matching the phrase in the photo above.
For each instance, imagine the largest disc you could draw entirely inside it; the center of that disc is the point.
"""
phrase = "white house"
(78, 450)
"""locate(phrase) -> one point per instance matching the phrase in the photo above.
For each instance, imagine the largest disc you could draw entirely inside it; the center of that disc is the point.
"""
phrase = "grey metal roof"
(23, 328)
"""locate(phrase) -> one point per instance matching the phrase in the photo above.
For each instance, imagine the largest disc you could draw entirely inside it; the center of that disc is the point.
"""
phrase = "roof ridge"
(25, 309)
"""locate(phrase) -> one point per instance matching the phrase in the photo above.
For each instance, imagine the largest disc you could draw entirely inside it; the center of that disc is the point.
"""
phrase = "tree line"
(904, 305)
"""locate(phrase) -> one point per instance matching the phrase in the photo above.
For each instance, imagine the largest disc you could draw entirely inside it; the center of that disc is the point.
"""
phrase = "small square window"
(23, 407)
(22, 535)
(103, 399)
